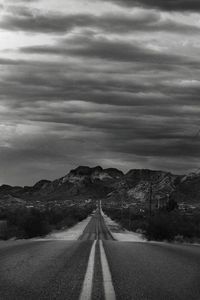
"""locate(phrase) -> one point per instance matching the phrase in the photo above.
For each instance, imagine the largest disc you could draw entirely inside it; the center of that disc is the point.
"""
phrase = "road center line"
(107, 279)
(86, 291)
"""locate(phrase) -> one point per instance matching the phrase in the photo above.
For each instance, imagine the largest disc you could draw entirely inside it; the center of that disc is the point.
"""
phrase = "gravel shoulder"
(121, 234)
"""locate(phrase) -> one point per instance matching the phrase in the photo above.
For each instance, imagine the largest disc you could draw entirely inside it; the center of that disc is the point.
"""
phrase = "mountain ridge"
(134, 186)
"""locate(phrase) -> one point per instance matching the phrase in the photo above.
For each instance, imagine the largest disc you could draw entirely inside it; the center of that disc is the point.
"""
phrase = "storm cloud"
(84, 84)
(169, 5)
(34, 21)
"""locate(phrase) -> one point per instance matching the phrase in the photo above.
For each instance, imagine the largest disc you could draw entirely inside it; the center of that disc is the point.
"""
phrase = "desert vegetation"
(32, 222)
(164, 224)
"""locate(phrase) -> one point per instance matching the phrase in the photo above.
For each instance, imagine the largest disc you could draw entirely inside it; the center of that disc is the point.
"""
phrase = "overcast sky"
(114, 83)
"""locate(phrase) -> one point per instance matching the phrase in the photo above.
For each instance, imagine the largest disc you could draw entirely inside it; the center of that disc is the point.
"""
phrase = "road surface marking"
(97, 231)
(107, 280)
(86, 292)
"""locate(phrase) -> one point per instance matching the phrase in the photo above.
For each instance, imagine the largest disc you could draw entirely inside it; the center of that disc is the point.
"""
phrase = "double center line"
(86, 293)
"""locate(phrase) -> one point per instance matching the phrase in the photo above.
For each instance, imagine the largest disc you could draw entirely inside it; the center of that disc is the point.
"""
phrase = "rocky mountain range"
(136, 186)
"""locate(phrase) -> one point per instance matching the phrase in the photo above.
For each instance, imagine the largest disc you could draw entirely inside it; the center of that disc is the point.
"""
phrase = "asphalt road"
(57, 269)
(96, 229)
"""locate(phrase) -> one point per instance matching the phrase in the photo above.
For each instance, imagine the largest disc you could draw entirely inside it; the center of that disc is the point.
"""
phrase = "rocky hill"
(136, 186)
(188, 189)
(82, 182)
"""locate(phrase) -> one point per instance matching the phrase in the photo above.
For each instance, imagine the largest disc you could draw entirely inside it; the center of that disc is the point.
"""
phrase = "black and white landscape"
(99, 149)
(93, 236)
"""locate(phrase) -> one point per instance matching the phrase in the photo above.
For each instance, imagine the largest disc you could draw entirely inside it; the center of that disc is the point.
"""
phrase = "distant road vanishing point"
(97, 267)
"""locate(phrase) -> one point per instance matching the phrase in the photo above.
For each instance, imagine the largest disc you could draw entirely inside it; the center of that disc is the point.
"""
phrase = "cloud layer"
(169, 5)
(118, 88)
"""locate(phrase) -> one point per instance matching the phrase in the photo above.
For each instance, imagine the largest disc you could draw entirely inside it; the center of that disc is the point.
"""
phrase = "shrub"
(179, 238)
(34, 224)
(160, 228)
(28, 223)
(165, 224)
